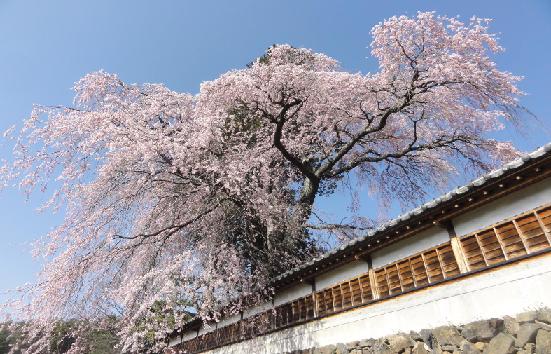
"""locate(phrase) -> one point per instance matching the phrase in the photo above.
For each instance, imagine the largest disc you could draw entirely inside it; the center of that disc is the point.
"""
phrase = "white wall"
(505, 207)
(185, 337)
(207, 328)
(254, 310)
(503, 291)
(189, 335)
(410, 246)
(173, 341)
(294, 292)
(345, 272)
(229, 320)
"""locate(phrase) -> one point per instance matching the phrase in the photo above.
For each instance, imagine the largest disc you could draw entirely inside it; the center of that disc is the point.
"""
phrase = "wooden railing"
(509, 239)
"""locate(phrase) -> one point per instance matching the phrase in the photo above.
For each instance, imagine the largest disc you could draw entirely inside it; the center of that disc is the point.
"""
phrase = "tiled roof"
(487, 179)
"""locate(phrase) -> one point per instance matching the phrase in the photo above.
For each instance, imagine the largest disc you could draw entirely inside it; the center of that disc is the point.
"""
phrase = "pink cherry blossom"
(178, 199)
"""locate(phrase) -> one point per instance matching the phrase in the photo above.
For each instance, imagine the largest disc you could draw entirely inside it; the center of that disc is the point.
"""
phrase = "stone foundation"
(526, 333)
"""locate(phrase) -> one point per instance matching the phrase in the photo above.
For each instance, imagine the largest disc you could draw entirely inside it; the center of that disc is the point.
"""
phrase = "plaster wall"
(173, 341)
(229, 320)
(192, 334)
(207, 328)
(257, 309)
(409, 246)
(189, 335)
(347, 271)
(294, 292)
(507, 290)
(504, 207)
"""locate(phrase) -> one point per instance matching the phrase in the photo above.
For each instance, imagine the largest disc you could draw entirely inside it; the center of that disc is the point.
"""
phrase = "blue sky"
(45, 46)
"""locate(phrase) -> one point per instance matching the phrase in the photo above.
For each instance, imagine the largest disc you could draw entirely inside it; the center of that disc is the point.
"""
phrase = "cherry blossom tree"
(172, 198)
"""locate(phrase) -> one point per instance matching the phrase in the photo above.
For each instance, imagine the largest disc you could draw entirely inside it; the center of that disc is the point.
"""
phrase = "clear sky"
(45, 46)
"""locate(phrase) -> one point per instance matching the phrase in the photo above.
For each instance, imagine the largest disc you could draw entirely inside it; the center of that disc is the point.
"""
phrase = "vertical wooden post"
(372, 279)
(456, 247)
(314, 301)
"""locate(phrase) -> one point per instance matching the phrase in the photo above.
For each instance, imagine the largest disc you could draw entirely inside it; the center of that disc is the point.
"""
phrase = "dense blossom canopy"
(193, 201)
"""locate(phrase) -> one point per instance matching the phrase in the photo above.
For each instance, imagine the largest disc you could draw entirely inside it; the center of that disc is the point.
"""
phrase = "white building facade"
(481, 251)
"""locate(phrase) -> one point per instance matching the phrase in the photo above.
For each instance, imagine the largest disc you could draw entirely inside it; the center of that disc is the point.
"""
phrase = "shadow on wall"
(282, 341)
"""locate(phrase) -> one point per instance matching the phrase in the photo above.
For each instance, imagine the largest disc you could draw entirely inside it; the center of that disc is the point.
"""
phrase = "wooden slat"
(320, 303)
(448, 260)
(328, 300)
(337, 298)
(414, 280)
(366, 283)
(533, 233)
(440, 262)
(481, 249)
(491, 247)
(522, 237)
(394, 286)
(511, 240)
(405, 274)
(498, 237)
(419, 270)
(543, 227)
(313, 304)
(295, 311)
(472, 252)
(382, 283)
(346, 295)
(355, 292)
(432, 265)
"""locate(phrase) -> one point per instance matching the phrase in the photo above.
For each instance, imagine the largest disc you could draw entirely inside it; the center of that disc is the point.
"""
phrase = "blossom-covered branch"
(178, 203)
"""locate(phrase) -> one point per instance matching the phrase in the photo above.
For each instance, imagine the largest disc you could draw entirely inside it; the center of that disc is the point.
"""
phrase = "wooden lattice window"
(491, 247)
(337, 298)
(365, 285)
(310, 305)
(513, 245)
(355, 291)
(544, 216)
(284, 315)
(328, 300)
(509, 239)
(382, 282)
(295, 308)
(433, 266)
(532, 233)
(421, 269)
(320, 303)
(394, 285)
(406, 274)
(447, 260)
(473, 253)
(346, 295)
